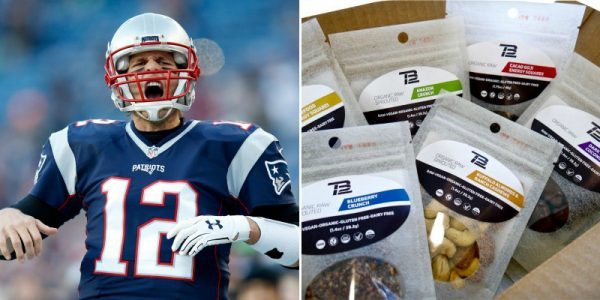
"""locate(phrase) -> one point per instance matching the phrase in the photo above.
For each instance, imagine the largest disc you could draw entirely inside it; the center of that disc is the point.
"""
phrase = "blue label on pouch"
(374, 199)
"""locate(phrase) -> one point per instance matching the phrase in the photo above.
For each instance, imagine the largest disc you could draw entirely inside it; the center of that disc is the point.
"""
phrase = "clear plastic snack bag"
(327, 101)
(481, 176)
(569, 112)
(362, 225)
(515, 49)
(396, 72)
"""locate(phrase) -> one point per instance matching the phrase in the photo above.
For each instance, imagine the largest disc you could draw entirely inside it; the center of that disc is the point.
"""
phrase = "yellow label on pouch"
(312, 109)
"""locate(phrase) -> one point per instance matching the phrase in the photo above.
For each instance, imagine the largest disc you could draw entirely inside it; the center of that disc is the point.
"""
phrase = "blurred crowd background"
(51, 74)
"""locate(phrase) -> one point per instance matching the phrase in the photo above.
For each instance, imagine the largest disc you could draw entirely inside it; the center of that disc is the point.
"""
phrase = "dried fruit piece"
(469, 270)
(552, 210)
(464, 255)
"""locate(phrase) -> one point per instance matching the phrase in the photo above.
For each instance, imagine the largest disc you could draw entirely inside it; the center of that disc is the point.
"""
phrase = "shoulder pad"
(227, 131)
(94, 129)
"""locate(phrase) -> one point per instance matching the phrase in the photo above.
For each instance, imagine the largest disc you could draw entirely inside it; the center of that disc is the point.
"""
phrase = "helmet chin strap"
(153, 111)
(153, 114)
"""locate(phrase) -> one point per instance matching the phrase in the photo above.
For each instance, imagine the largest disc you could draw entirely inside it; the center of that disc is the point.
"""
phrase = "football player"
(164, 197)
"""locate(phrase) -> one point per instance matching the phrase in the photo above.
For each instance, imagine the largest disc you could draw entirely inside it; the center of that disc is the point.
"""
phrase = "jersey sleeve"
(258, 174)
(54, 181)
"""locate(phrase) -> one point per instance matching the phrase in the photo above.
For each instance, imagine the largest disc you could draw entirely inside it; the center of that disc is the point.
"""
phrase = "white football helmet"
(151, 32)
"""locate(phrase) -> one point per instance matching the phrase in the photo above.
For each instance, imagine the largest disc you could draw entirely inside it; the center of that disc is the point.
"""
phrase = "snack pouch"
(396, 72)
(515, 49)
(362, 225)
(481, 176)
(327, 101)
(569, 112)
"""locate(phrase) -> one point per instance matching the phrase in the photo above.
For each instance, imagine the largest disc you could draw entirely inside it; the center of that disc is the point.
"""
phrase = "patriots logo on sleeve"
(278, 172)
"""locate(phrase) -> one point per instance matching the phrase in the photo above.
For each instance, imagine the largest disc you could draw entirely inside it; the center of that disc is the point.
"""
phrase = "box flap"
(569, 274)
(381, 14)
(399, 12)
(588, 43)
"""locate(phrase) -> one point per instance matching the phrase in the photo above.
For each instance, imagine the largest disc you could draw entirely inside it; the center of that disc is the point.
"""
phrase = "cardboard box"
(399, 12)
(588, 43)
(570, 273)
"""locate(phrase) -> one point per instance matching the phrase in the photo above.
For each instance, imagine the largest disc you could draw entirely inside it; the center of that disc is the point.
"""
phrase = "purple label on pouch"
(591, 149)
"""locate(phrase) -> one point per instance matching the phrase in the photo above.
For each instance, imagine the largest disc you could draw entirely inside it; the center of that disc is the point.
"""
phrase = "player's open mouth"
(154, 90)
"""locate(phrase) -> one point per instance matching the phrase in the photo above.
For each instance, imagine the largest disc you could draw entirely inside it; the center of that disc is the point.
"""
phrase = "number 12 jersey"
(134, 192)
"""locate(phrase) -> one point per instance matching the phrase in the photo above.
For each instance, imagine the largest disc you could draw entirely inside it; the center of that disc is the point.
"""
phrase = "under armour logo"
(509, 50)
(410, 76)
(216, 223)
(341, 187)
(479, 160)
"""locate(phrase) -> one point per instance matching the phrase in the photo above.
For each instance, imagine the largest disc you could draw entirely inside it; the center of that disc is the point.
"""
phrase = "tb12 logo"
(479, 160)
(509, 50)
(595, 132)
(410, 76)
(341, 187)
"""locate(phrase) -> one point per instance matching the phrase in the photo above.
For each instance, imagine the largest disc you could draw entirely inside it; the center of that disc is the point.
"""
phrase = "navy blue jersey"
(134, 192)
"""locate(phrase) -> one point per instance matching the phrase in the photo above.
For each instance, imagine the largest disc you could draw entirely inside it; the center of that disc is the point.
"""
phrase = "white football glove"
(192, 235)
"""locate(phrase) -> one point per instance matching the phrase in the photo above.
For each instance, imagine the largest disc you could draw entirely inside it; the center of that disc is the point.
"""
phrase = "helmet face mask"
(138, 79)
(130, 89)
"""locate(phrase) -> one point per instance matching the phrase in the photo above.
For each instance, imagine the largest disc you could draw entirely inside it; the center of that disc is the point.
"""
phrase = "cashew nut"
(446, 221)
(440, 268)
(429, 222)
(457, 256)
(433, 208)
(458, 225)
(470, 270)
(446, 248)
(460, 238)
